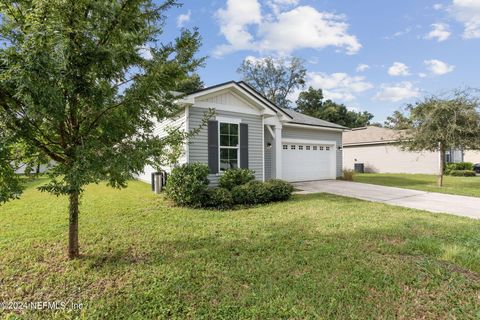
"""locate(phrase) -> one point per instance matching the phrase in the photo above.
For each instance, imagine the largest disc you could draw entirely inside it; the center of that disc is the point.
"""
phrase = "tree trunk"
(73, 251)
(441, 164)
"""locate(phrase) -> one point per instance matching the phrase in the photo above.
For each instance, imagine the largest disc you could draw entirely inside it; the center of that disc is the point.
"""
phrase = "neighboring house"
(375, 147)
(249, 131)
(39, 169)
(472, 156)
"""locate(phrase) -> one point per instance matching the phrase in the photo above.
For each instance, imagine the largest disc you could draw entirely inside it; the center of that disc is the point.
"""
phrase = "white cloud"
(422, 75)
(234, 22)
(362, 67)
(284, 31)
(145, 53)
(438, 67)
(397, 92)
(399, 33)
(183, 18)
(398, 69)
(438, 6)
(440, 32)
(338, 86)
(468, 13)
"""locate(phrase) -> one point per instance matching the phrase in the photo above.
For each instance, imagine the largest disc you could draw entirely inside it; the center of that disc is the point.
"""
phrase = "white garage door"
(305, 162)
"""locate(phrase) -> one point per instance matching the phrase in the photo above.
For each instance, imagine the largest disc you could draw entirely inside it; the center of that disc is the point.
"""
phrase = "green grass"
(465, 186)
(316, 256)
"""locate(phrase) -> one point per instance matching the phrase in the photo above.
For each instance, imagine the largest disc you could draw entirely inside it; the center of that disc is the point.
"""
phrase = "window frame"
(228, 121)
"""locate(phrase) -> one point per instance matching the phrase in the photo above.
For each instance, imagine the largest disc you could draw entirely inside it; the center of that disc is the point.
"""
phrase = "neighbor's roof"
(300, 118)
(370, 135)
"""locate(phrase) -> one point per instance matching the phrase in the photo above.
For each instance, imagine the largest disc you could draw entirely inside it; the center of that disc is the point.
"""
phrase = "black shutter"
(213, 146)
(244, 145)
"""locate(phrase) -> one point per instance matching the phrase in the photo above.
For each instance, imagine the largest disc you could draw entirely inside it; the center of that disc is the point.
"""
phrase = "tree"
(398, 121)
(274, 78)
(439, 124)
(310, 102)
(75, 87)
(190, 84)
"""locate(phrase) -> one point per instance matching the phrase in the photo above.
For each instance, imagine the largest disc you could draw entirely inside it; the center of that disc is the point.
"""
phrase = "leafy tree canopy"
(439, 124)
(311, 102)
(76, 87)
(274, 78)
(398, 121)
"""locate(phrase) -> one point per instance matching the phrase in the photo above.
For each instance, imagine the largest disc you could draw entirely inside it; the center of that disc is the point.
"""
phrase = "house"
(376, 148)
(249, 131)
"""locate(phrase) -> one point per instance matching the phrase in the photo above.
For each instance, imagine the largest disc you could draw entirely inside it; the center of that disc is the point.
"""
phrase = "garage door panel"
(303, 164)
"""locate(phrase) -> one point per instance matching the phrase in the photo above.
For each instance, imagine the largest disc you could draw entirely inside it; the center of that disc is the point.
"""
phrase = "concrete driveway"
(429, 201)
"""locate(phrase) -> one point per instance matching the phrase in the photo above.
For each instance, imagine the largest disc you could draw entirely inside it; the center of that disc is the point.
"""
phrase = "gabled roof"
(371, 135)
(246, 89)
(300, 118)
(292, 116)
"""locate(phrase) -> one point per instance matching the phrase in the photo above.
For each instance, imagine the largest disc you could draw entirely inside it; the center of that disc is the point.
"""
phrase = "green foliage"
(462, 173)
(251, 193)
(190, 84)
(274, 78)
(77, 87)
(236, 177)
(84, 82)
(458, 166)
(348, 174)
(448, 123)
(311, 103)
(280, 190)
(398, 121)
(218, 198)
(187, 185)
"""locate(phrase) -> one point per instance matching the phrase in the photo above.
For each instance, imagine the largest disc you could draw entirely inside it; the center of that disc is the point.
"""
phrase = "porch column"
(278, 151)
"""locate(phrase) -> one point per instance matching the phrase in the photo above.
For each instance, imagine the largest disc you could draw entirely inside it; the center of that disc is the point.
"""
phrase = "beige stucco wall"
(471, 156)
(384, 158)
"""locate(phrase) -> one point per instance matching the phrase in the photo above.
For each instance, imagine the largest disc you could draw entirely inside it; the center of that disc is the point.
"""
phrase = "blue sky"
(373, 55)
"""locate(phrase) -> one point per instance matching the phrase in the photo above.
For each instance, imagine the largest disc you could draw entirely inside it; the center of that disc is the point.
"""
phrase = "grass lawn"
(465, 186)
(316, 256)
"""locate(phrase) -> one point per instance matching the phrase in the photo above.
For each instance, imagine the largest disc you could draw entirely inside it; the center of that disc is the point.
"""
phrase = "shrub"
(236, 177)
(218, 198)
(462, 173)
(187, 185)
(253, 192)
(280, 190)
(458, 166)
(348, 174)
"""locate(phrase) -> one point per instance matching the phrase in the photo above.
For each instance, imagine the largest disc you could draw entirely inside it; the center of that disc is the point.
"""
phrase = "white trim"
(228, 120)
(226, 107)
(294, 125)
(271, 131)
(263, 149)
(278, 152)
(187, 129)
(358, 144)
(264, 100)
(306, 141)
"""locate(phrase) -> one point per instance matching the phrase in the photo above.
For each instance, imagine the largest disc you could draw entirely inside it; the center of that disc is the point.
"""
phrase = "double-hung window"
(229, 146)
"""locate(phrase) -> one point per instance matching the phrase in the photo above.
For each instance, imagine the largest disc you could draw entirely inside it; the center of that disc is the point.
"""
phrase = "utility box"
(359, 167)
(159, 181)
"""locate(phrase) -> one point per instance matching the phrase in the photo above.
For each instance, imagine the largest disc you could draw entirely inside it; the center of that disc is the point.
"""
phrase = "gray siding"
(269, 156)
(315, 134)
(198, 148)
